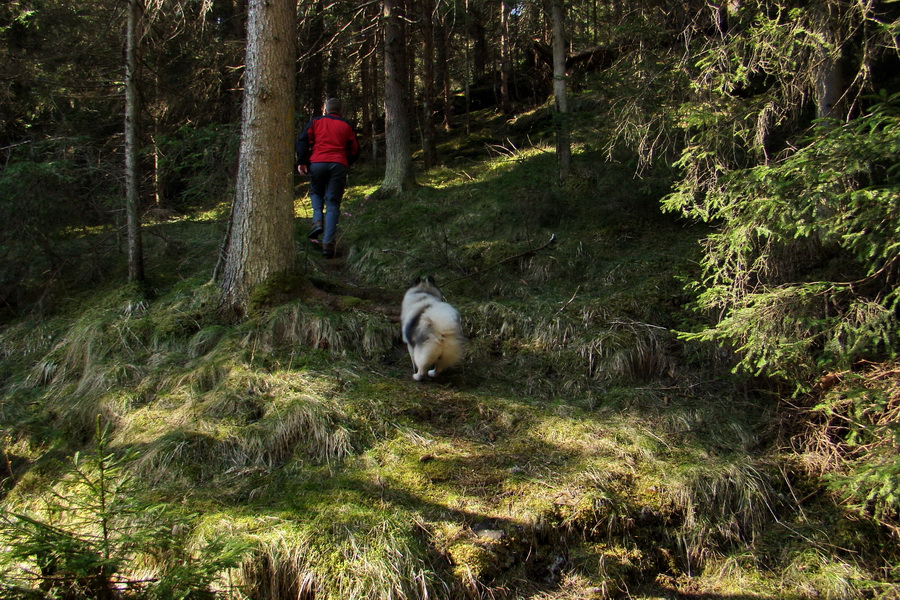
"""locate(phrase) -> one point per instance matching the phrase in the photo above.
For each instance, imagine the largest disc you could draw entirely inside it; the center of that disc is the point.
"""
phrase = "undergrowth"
(582, 450)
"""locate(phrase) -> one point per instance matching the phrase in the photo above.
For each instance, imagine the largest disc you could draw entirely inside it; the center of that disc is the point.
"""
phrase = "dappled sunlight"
(674, 263)
(583, 449)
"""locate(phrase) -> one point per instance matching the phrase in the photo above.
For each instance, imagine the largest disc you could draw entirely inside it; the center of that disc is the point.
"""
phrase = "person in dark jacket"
(325, 150)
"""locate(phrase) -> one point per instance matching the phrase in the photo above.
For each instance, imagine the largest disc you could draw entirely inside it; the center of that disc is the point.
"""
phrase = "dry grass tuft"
(814, 574)
(723, 505)
(179, 458)
(303, 326)
(294, 424)
(569, 352)
(248, 420)
(278, 572)
(327, 560)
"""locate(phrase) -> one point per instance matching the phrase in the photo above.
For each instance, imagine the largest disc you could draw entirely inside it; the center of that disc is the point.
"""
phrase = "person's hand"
(303, 169)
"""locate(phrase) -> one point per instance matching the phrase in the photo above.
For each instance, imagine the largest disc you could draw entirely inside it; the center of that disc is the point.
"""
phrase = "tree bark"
(398, 175)
(368, 89)
(443, 33)
(478, 31)
(314, 60)
(428, 95)
(261, 242)
(563, 148)
(467, 73)
(134, 32)
(829, 76)
(505, 64)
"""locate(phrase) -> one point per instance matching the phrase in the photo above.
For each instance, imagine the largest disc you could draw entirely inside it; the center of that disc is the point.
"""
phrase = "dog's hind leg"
(449, 355)
(424, 357)
(436, 368)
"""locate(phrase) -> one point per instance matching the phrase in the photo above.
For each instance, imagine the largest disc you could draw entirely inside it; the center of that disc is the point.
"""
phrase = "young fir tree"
(100, 535)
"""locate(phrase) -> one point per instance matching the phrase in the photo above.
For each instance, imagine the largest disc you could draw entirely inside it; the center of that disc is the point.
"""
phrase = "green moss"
(351, 302)
(277, 289)
(473, 562)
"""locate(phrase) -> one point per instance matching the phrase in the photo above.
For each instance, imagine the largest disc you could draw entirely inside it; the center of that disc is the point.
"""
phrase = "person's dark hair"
(333, 105)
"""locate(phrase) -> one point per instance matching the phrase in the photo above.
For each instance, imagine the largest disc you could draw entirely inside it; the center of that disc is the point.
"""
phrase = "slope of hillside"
(581, 451)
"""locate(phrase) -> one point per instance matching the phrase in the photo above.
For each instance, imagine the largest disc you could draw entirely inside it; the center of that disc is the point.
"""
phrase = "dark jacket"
(328, 138)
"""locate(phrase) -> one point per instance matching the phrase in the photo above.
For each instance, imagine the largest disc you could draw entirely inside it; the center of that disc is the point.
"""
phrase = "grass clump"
(336, 541)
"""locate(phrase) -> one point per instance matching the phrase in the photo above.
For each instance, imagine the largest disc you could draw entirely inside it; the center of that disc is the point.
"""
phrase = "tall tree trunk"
(505, 59)
(467, 72)
(442, 34)
(428, 97)
(830, 79)
(563, 148)
(376, 133)
(314, 64)
(398, 175)
(478, 32)
(134, 32)
(261, 242)
(366, 80)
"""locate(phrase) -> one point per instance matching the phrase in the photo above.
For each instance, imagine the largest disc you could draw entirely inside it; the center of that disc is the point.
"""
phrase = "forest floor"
(583, 450)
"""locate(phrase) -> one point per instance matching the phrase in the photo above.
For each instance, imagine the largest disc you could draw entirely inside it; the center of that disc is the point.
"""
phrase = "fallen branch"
(505, 260)
(571, 300)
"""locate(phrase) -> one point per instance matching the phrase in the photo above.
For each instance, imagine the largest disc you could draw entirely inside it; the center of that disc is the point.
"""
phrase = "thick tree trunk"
(563, 148)
(132, 143)
(398, 174)
(261, 242)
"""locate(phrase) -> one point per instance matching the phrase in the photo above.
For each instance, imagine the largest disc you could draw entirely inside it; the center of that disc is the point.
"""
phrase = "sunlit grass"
(582, 450)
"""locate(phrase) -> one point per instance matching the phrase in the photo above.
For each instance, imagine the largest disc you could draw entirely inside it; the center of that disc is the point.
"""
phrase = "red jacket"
(328, 138)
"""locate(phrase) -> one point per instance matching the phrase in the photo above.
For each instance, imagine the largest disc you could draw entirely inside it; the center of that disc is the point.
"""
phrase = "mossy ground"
(581, 451)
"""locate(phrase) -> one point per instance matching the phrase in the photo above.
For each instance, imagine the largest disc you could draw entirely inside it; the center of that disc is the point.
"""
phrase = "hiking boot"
(316, 230)
(328, 250)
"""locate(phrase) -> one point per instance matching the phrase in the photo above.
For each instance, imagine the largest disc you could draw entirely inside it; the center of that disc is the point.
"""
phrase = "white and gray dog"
(432, 329)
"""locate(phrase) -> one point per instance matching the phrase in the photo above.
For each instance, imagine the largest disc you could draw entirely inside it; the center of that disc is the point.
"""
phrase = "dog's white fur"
(432, 330)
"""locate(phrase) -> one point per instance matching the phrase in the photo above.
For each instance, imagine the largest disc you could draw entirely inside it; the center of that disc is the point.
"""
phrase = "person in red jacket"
(325, 150)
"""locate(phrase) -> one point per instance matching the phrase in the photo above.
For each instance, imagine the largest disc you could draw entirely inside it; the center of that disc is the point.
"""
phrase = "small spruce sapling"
(98, 524)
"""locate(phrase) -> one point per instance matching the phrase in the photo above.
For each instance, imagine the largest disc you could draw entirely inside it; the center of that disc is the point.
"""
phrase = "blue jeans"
(326, 190)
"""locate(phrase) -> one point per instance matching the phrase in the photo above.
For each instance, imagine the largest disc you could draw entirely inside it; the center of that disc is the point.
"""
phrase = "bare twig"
(507, 259)
(572, 299)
